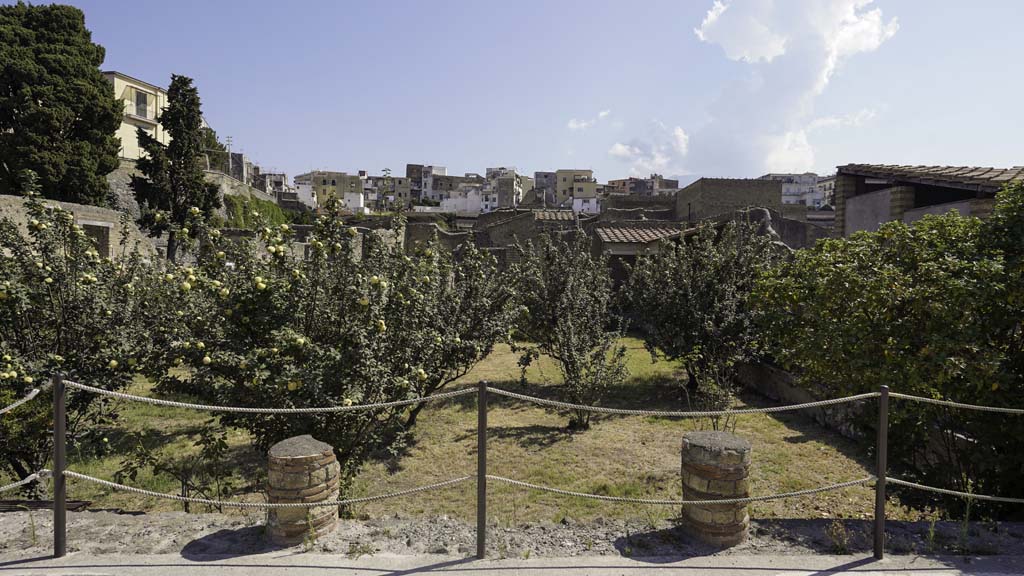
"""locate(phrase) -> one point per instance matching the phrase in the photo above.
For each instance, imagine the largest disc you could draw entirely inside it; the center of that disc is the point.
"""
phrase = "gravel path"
(206, 534)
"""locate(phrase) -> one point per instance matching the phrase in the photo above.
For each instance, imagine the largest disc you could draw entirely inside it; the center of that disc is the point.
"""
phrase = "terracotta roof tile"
(634, 234)
(972, 177)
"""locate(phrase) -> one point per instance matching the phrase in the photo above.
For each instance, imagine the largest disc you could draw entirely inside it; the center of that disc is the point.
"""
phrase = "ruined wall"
(103, 225)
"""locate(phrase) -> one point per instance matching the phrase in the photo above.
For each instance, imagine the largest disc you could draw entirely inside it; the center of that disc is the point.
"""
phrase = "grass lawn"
(620, 455)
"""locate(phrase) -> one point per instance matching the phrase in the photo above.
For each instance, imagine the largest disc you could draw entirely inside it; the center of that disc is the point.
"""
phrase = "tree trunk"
(414, 413)
(172, 246)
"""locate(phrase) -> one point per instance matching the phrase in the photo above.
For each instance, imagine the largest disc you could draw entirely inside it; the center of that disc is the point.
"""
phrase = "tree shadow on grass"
(529, 436)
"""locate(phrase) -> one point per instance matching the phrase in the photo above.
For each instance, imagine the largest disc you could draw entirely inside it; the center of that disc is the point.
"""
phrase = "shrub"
(918, 308)
(690, 300)
(65, 309)
(357, 322)
(567, 315)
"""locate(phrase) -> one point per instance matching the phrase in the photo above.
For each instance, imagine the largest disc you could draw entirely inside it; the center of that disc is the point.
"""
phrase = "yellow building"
(572, 182)
(142, 104)
(326, 184)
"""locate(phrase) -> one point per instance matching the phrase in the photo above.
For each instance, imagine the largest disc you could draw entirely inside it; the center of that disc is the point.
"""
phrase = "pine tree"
(172, 188)
(58, 114)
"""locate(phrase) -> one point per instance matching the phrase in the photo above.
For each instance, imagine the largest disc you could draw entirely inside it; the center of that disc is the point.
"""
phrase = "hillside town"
(626, 217)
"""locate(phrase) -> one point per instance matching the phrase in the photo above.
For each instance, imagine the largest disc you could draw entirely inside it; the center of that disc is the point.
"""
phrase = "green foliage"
(922, 309)
(691, 301)
(172, 188)
(58, 114)
(63, 309)
(358, 321)
(250, 213)
(566, 314)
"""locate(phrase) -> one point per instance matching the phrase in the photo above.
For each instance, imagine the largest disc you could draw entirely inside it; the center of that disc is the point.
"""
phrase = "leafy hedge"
(240, 213)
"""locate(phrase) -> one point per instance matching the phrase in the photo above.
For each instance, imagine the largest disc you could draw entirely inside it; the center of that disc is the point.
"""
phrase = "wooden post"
(60, 512)
(882, 448)
(481, 471)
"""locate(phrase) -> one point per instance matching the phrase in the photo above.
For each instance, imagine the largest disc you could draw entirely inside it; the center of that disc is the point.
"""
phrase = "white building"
(467, 198)
(826, 190)
(586, 205)
(798, 188)
(306, 195)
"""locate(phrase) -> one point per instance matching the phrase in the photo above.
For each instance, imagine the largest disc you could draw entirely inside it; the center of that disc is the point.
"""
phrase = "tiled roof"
(565, 215)
(634, 234)
(970, 177)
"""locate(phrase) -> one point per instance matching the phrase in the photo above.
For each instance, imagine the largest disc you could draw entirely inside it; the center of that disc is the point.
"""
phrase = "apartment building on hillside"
(142, 104)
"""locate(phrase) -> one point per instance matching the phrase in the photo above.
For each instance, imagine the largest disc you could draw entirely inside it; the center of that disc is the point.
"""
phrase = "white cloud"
(682, 140)
(577, 125)
(661, 151)
(765, 120)
(743, 34)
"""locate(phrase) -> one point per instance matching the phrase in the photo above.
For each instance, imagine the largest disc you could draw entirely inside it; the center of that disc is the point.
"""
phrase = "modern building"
(826, 190)
(651, 186)
(545, 184)
(142, 105)
(570, 182)
(868, 195)
(798, 188)
(325, 184)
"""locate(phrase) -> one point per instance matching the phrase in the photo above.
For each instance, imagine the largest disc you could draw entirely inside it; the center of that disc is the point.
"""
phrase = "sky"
(728, 88)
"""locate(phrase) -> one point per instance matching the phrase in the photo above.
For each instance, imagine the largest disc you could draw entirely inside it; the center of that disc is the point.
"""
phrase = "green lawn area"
(619, 455)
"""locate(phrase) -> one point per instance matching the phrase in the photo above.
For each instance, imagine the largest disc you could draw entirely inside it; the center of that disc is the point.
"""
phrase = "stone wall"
(709, 197)
(101, 224)
(230, 187)
(421, 233)
(782, 387)
(120, 181)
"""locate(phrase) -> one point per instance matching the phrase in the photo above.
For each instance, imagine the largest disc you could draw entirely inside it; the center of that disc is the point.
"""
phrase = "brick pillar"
(301, 469)
(715, 466)
(846, 187)
(901, 199)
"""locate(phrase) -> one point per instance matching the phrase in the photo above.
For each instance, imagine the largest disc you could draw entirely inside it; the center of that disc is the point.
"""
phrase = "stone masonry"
(301, 469)
(716, 466)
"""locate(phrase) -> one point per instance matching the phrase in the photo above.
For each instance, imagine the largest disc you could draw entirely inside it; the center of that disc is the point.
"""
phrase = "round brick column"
(301, 469)
(715, 466)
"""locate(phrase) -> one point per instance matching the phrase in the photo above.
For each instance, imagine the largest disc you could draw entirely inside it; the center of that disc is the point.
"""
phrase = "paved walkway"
(288, 563)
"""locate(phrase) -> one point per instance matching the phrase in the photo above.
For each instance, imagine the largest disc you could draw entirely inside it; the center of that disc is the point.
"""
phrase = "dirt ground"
(203, 534)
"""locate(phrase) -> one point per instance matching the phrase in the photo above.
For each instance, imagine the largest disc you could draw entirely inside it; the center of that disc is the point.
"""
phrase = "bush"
(690, 301)
(920, 309)
(249, 213)
(65, 309)
(566, 314)
(357, 322)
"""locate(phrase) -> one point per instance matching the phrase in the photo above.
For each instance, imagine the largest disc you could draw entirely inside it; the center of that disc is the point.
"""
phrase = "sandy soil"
(201, 534)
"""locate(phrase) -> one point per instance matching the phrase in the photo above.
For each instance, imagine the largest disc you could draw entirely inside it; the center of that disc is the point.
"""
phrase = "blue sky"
(727, 88)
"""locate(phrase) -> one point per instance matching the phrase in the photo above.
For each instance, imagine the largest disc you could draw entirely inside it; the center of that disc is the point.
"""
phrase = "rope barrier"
(957, 404)
(32, 394)
(809, 491)
(682, 414)
(899, 482)
(27, 480)
(264, 505)
(311, 410)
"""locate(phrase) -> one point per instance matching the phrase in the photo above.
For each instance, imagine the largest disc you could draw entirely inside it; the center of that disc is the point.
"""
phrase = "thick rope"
(809, 491)
(899, 482)
(27, 480)
(682, 414)
(264, 505)
(35, 392)
(312, 410)
(952, 404)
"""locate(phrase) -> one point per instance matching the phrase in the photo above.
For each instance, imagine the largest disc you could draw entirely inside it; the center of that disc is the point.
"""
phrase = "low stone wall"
(716, 466)
(779, 385)
(302, 469)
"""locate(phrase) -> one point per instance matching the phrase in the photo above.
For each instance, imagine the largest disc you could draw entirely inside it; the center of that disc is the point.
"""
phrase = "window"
(578, 189)
(324, 182)
(334, 183)
(141, 104)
